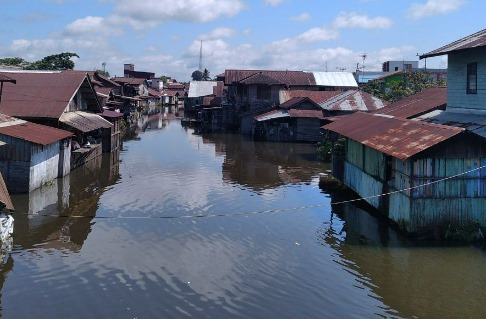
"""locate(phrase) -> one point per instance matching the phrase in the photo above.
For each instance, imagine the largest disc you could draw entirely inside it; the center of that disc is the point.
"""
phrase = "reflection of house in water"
(388, 264)
(59, 215)
(261, 165)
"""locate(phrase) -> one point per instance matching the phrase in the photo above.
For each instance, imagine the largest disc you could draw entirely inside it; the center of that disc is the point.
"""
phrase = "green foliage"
(330, 147)
(103, 73)
(18, 62)
(206, 75)
(197, 75)
(411, 82)
(60, 61)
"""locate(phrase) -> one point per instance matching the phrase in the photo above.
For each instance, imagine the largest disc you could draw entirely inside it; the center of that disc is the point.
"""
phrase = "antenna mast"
(200, 57)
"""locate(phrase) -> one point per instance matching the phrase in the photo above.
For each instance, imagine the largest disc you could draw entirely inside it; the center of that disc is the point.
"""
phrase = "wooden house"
(60, 99)
(253, 92)
(419, 175)
(429, 171)
(297, 120)
(32, 154)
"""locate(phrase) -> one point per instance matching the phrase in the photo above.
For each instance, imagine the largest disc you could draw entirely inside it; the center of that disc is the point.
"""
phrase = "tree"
(60, 61)
(197, 75)
(106, 74)
(18, 62)
(411, 82)
(205, 75)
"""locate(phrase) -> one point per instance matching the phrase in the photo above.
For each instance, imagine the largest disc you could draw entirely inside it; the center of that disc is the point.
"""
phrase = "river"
(217, 226)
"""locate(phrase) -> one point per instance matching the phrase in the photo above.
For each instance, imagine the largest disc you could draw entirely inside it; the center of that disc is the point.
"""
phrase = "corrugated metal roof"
(274, 114)
(335, 79)
(129, 81)
(474, 40)
(353, 100)
(473, 122)
(201, 88)
(45, 94)
(84, 121)
(35, 133)
(397, 137)
(306, 113)
(417, 104)
(111, 114)
(291, 78)
(318, 97)
(260, 78)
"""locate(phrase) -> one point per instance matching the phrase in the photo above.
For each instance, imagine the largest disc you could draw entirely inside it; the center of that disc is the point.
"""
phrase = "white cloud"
(354, 20)
(218, 33)
(92, 25)
(274, 3)
(433, 7)
(318, 34)
(154, 12)
(302, 17)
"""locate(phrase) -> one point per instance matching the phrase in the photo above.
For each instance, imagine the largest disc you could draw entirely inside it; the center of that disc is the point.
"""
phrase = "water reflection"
(74, 198)
(412, 280)
(264, 165)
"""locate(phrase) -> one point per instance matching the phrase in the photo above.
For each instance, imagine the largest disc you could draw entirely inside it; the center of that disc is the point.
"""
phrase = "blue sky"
(164, 36)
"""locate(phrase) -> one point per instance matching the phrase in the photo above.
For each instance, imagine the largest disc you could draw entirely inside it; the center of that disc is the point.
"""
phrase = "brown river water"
(217, 226)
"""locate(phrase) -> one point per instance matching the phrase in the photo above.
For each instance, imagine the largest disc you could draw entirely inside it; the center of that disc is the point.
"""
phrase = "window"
(472, 78)
(263, 92)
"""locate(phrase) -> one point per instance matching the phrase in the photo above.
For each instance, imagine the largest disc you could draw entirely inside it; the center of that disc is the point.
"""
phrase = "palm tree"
(205, 75)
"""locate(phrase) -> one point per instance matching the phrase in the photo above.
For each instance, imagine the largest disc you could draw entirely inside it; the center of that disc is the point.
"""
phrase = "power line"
(268, 211)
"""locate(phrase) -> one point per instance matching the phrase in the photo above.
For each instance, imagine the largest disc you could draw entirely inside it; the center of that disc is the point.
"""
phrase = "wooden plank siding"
(307, 130)
(459, 200)
(456, 79)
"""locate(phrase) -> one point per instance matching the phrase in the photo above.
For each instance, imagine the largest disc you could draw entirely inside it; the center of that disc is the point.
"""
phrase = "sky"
(167, 37)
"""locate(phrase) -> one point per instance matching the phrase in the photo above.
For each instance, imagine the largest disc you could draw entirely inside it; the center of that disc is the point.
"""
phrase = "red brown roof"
(291, 78)
(318, 97)
(394, 136)
(45, 94)
(35, 133)
(418, 104)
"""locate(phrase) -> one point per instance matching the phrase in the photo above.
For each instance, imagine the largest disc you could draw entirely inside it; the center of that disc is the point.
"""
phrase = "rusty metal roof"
(129, 81)
(291, 78)
(111, 114)
(306, 113)
(353, 100)
(418, 104)
(32, 132)
(45, 94)
(260, 79)
(400, 138)
(318, 97)
(474, 40)
(84, 121)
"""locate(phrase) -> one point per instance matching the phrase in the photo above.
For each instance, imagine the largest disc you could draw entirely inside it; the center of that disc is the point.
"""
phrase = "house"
(297, 120)
(60, 99)
(431, 166)
(252, 92)
(129, 72)
(419, 175)
(320, 107)
(112, 138)
(31, 154)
